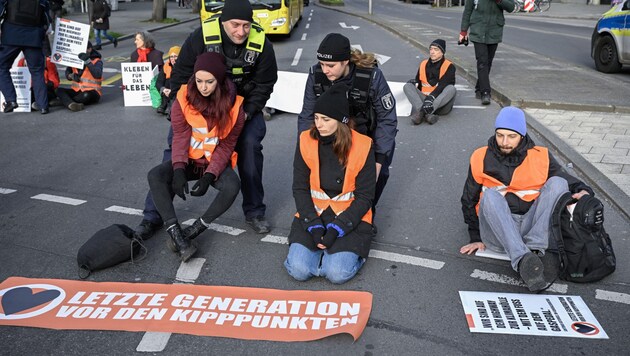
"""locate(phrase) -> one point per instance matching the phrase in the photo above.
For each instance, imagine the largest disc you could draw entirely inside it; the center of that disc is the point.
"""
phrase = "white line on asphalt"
(187, 273)
(309, 19)
(303, 37)
(275, 239)
(499, 278)
(469, 107)
(296, 59)
(7, 191)
(462, 87)
(444, 17)
(555, 33)
(416, 261)
(612, 296)
(58, 199)
(307, 26)
(124, 210)
(219, 228)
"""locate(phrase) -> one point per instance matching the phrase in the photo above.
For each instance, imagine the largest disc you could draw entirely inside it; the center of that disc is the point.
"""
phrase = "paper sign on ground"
(71, 38)
(22, 82)
(242, 313)
(529, 314)
(136, 80)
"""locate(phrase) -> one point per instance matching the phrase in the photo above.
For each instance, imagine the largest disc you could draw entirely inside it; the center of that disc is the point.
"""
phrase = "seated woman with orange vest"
(207, 118)
(86, 82)
(334, 180)
(432, 91)
(163, 82)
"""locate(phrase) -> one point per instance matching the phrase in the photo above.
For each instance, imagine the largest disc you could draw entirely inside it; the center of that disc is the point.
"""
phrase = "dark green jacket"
(484, 22)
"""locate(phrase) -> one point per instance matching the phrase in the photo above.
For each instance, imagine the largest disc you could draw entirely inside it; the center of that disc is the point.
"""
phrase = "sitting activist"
(86, 82)
(509, 195)
(432, 91)
(162, 83)
(372, 105)
(145, 51)
(331, 237)
(207, 118)
(51, 77)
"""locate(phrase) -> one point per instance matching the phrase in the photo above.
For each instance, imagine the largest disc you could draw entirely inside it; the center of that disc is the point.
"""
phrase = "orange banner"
(236, 312)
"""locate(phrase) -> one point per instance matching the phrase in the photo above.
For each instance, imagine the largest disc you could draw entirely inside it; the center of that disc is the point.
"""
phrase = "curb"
(593, 176)
(157, 28)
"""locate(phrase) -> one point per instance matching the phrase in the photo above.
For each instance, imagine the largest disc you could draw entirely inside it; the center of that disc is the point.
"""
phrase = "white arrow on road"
(343, 25)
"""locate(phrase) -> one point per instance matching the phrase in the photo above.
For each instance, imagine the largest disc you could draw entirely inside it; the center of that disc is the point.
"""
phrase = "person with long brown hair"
(334, 179)
(207, 118)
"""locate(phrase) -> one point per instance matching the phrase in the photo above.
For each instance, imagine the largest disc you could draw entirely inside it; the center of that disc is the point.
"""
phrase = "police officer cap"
(334, 103)
(237, 10)
(334, 48)
(513, 119)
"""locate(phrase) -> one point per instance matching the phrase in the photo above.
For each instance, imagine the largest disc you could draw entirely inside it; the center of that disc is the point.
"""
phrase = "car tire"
(606, 56)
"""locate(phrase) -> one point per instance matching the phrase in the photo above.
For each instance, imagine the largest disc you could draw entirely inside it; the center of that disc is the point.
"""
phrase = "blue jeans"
(340, 267)
(99, 33)
(502, 231)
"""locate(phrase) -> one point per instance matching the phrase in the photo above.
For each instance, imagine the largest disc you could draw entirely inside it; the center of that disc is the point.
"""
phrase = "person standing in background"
(100, 22)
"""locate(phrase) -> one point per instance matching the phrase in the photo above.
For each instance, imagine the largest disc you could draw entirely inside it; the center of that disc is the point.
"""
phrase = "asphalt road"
(102, 155)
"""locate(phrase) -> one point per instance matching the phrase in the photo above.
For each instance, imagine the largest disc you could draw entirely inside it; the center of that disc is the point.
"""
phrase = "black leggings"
(160, 183)
(68, 96)
(484, 54)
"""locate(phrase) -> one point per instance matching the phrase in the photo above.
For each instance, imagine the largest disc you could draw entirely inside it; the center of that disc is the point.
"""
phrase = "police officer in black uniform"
(372, 104)
(251, 64)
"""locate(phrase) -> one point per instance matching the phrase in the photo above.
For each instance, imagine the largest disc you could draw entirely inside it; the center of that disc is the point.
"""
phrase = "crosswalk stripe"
(59, 199)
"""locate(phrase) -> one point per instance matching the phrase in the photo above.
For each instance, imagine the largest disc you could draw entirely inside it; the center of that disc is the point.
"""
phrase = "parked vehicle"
(610, 44)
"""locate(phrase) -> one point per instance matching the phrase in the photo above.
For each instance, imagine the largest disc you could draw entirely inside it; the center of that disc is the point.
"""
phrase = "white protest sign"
(22, 82)
(71, 38)
(136, 79)
(529, 314)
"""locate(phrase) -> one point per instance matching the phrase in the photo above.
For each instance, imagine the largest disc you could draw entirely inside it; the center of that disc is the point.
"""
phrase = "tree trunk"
(159, 10)
(196, 6)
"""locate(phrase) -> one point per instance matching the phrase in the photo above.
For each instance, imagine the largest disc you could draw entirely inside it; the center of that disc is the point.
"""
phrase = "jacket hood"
(95, 54)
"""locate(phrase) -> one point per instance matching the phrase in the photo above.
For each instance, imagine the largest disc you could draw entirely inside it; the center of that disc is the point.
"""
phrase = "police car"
(610, 44)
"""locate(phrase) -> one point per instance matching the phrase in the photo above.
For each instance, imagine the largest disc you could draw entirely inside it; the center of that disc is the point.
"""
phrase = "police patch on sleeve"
(387, 101)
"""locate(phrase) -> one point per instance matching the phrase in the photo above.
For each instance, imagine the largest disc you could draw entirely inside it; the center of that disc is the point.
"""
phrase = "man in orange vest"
(432, 91)
(86, 83)
(509, 195)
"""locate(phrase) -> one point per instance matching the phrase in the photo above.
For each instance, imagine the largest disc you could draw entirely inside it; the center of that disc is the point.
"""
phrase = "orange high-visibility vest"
(527, 178)
(425, 87)
(87, 81)
(309, 149)
(202, 142)
(167, 68)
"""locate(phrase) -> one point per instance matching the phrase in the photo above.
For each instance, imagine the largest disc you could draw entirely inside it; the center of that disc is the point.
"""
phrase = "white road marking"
(307, 26)
(612, 296)
(303, 37)
(444, 17)
(555, 33)
(276, 239)
(296, 59)
(499, 278)
(219, 228)
(124, 210)
(416, 261)
(7, 191)
(187, 273)
(462, 87)
(469, 107)
(58, 199)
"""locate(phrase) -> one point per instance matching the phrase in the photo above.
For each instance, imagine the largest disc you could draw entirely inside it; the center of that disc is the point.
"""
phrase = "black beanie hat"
(237, 10)
(211, 62)
(439, 43)
(334, 103)
(334, 48)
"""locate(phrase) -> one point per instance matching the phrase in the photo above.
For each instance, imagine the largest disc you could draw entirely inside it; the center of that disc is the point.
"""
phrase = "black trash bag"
(108, 247)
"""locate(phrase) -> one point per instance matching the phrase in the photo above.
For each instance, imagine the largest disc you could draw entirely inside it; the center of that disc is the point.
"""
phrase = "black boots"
(194, 230)
(179, 243)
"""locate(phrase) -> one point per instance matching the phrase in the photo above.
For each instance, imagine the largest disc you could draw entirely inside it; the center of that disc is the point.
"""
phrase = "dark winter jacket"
(357, 233)
(264, 76)
(386, 120)
(502, 168)
(155, 57)
(24, 36)
(182, 131)
(96, 69)
(101, 10)
(433, 76)
(483, 19)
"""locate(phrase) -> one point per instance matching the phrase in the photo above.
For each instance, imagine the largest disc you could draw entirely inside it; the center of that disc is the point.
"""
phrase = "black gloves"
(85, 58)
(329, 239)
(201, 187)
(75, 77)
(317, 231)
(427, 106)
(180, 183)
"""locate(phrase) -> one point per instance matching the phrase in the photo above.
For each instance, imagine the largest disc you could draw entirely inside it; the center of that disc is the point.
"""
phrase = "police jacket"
(433, 76)
(20, 35)
(357, 233)
(259, 83)
(485, 19)
(383, 103)
(502, 168)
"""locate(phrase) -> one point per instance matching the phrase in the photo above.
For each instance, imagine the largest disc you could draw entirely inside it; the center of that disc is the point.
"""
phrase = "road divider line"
(219, 228)
(58, 199)
(7, 191)
(124, 210)
(307, 26)
(188, 272)
(303, 37)
(612, 296)
(296, 59)
(276, 239)
(500, 278)
(469, 107)
(114, 78)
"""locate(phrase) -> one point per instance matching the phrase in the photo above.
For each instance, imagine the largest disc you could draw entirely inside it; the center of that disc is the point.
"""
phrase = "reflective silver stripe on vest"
(502, 189)
(211, 141)
(195, 144)
(201, 130)
(323, 196)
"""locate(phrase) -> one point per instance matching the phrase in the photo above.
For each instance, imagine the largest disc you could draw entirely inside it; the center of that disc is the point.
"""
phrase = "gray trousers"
(442, 105)
(502, 231)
